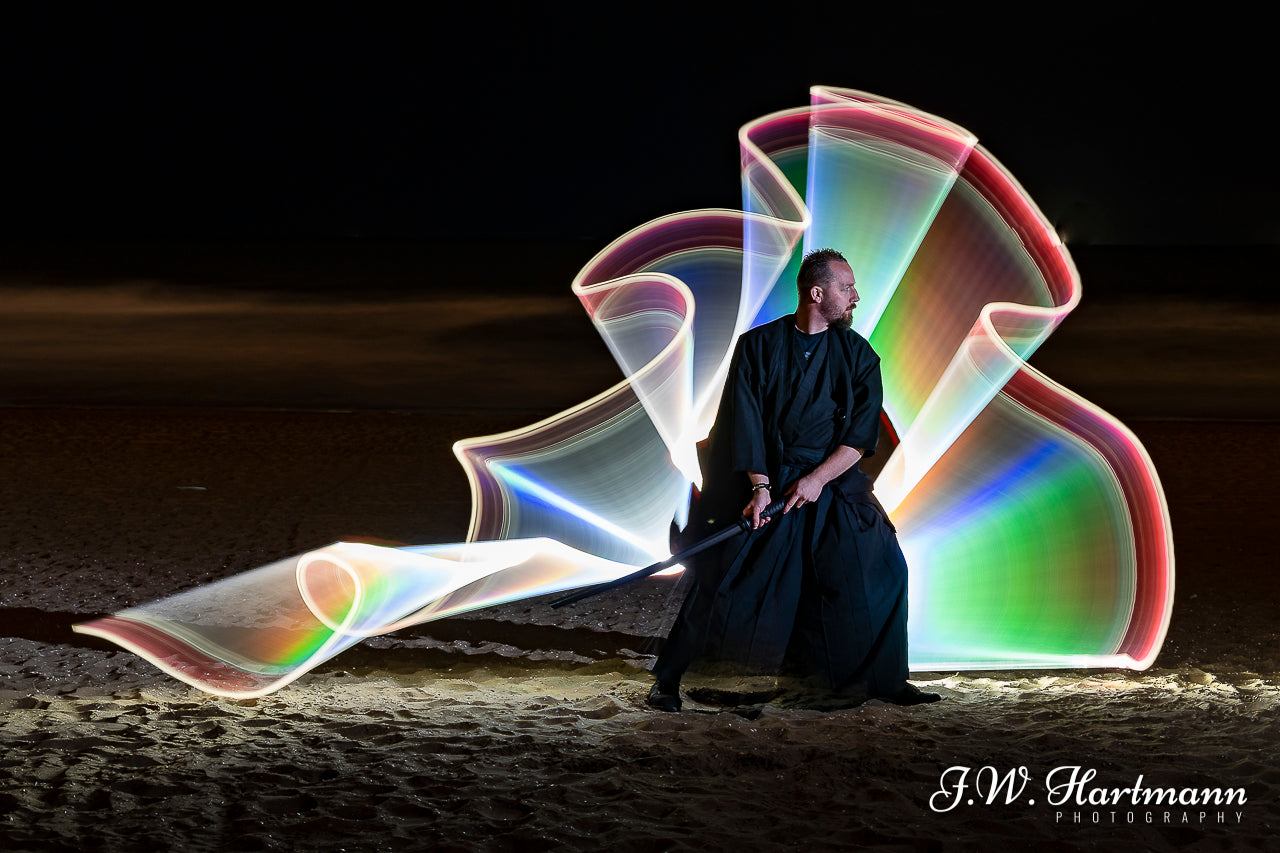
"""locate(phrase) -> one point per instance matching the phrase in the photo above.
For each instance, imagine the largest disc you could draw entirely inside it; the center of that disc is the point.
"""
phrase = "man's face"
(839, 296)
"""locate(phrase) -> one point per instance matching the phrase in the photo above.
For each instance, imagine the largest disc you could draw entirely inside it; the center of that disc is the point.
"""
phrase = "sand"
(134, 466)
(521, 727)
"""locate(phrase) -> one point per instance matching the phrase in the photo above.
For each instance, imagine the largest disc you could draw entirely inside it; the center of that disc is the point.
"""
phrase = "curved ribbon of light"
(1033, 522)
(251, 634)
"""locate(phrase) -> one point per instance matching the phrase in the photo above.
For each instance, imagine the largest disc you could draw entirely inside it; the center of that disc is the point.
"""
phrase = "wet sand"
(521, 727)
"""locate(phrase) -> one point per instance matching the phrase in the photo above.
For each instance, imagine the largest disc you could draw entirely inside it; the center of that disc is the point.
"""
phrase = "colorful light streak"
(1034, 523)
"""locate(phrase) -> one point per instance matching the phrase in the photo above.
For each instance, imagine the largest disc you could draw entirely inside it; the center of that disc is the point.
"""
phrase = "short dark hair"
(816, 268)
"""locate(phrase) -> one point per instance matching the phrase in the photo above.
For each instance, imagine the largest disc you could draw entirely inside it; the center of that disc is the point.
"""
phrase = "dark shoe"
(911, 695)
(664, 697)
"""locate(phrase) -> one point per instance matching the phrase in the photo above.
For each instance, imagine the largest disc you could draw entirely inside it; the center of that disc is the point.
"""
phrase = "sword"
(743, 524)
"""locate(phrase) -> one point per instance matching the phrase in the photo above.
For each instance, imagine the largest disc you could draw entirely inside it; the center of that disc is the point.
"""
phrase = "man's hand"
(810, 486)
(759, 500)
(803, 491)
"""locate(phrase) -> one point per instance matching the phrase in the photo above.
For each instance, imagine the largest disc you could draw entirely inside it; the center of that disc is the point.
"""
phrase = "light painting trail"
(1034, 523)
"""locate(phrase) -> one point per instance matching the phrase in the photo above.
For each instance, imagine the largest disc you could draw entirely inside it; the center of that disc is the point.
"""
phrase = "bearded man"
(820, 591)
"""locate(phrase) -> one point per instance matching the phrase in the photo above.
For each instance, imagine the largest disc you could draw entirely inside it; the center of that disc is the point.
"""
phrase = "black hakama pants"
(819, 593)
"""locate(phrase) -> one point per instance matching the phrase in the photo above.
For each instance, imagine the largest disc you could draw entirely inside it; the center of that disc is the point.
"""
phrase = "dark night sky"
(550, 126)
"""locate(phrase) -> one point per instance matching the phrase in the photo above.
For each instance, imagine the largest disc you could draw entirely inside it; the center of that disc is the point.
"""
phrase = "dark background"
(575, 126)
(479, 154)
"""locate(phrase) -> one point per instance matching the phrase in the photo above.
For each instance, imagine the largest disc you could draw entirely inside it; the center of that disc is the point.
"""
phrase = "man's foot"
(909, 694)
(664, 697)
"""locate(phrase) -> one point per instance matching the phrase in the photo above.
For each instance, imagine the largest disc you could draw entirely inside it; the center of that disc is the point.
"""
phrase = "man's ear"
(815, 293)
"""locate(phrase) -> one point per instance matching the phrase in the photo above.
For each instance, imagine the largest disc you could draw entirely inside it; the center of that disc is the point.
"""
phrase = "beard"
(843, 320)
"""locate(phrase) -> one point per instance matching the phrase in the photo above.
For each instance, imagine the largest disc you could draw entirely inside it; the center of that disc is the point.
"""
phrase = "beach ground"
(172, 416)
(523, 727)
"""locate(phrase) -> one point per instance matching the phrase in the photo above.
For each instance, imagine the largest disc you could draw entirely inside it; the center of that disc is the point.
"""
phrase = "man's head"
(826, 282)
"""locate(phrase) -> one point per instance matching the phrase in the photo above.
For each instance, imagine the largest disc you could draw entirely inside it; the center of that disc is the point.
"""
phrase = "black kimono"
(820, 592)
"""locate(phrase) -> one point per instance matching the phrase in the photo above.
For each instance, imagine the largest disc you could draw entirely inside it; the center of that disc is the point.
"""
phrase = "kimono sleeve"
(862, 428)
(744, 412)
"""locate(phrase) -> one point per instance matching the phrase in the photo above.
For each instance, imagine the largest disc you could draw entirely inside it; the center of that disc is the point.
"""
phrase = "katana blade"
(743, 524)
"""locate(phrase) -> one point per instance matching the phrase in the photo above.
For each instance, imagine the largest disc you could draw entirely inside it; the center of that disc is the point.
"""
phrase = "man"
(819, 591)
